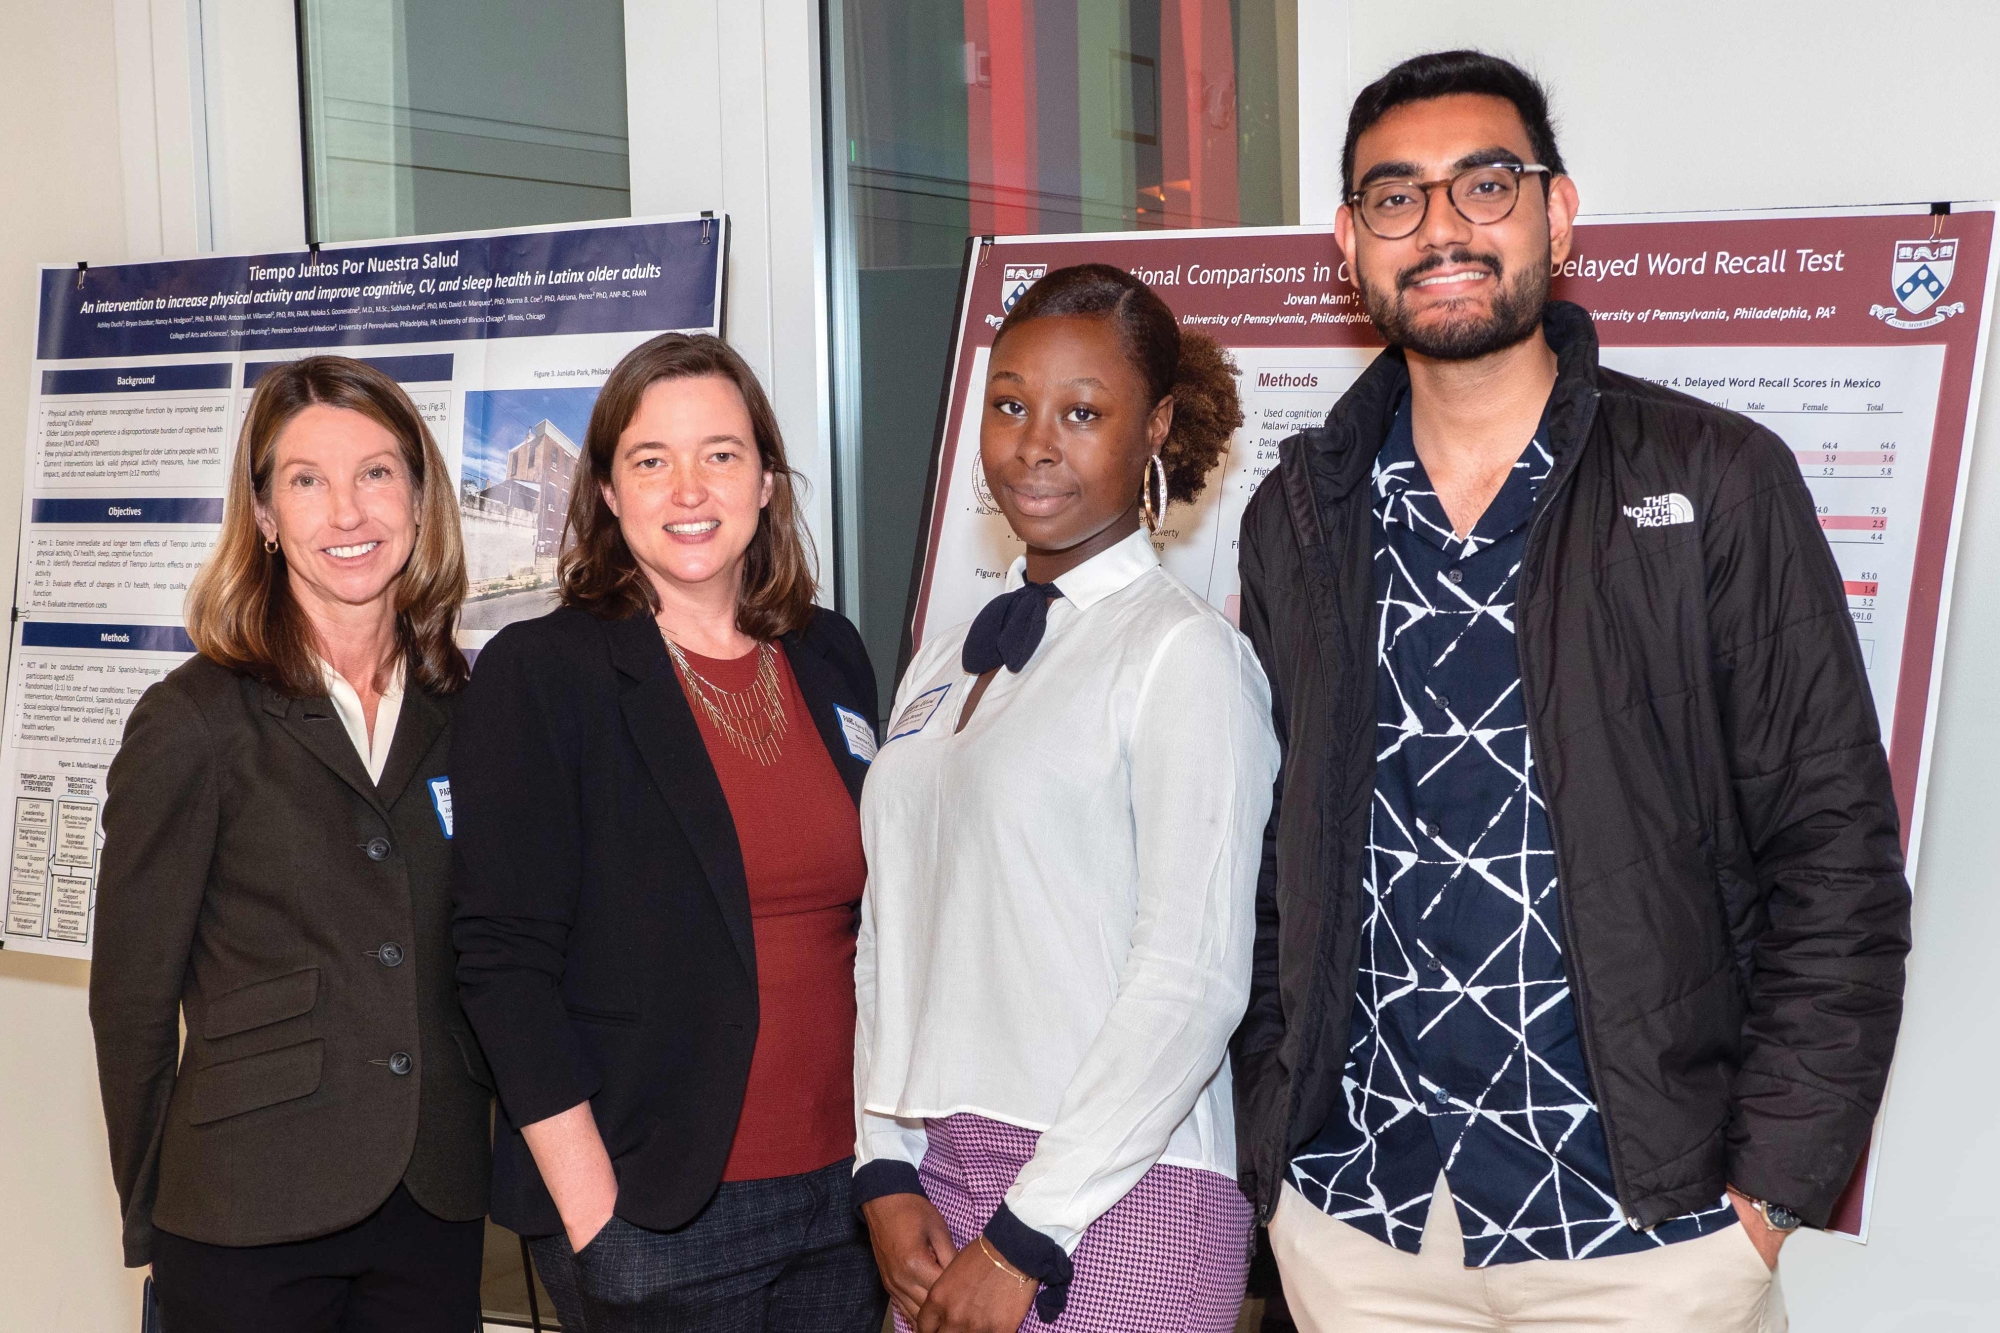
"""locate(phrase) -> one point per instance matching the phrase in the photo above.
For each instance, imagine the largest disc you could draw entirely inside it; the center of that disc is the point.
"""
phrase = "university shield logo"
(1015, 279)
(1919, 273)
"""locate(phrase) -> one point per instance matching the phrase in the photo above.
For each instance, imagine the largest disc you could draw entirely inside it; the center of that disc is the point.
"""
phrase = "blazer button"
(377, 849)
(400, 1063)
(391, 954)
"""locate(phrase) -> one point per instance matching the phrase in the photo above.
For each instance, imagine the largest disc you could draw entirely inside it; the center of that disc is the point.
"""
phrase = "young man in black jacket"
(1582, 917)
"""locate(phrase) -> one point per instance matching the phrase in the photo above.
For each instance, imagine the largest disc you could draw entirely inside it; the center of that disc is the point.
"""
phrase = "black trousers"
(400, 1270)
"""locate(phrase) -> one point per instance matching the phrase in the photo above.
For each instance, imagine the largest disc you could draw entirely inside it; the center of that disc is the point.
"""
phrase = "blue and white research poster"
(141, 377)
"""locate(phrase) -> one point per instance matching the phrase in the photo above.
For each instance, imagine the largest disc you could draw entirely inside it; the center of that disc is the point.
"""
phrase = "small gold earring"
(270, 546)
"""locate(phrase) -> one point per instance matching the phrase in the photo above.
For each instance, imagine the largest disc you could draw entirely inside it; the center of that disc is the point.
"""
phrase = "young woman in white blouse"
(1063, 831)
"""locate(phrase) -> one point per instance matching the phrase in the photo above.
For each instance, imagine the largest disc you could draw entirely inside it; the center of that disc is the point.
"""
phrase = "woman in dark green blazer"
(276, 871)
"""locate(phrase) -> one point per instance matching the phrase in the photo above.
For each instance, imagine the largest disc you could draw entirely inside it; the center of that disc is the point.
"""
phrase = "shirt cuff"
(882, 1177)
(1037, 1256)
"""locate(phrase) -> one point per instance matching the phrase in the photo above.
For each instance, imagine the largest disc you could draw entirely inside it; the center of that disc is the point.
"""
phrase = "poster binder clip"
(707, 223)
(985, 248)
(1939, 212)
(82, 267)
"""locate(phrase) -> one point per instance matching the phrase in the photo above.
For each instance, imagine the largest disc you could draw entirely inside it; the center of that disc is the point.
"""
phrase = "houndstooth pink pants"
(1169, 1257)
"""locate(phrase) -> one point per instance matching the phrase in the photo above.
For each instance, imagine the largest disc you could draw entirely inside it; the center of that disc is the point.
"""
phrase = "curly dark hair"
(1189, 367)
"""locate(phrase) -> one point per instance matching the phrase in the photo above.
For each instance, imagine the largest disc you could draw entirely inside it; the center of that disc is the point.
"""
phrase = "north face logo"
(1661, 511)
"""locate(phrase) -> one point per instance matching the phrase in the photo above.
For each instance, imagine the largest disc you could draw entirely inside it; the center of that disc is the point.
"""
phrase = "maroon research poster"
(1857, 335)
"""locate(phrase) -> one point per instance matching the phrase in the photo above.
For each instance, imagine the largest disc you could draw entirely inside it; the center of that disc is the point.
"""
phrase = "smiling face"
(342, 505)
(687, 484)
(1454, 290)
(1065, 438)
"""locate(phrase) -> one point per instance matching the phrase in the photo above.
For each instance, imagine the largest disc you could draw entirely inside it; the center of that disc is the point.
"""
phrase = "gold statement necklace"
(751, 720)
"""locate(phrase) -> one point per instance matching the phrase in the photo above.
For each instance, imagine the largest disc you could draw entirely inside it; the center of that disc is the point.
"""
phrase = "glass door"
(457, 115)
(956, 118)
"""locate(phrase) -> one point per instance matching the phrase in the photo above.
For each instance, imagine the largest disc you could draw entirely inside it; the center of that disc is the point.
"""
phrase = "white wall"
(253, 169)
(133, 129)
(62, 198)
(1772, 103)
(722, 103)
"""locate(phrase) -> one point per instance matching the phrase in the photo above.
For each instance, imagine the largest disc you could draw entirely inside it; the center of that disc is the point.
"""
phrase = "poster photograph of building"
(519, 450)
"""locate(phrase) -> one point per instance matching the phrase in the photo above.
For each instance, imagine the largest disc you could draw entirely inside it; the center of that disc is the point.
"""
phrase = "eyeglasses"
(1482, 195)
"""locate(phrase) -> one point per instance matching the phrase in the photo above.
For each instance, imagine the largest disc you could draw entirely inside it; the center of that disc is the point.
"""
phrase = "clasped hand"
(935, 1286)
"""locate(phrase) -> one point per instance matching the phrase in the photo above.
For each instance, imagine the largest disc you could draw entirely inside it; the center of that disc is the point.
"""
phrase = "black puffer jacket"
(1734, 906)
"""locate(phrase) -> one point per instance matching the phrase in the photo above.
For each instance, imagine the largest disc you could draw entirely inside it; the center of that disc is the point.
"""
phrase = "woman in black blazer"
(659, 871)
(276, 871)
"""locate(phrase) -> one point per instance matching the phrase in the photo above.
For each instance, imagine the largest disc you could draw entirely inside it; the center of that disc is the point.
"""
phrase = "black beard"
(1517, 312)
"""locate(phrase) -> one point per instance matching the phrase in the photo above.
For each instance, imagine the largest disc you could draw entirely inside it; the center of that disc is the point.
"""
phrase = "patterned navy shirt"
(1463, 1054)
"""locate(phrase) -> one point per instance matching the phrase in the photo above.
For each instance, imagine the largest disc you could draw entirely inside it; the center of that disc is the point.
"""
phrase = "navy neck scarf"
(1008, 629)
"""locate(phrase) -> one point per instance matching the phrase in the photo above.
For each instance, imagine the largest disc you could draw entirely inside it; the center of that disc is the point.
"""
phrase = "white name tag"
(860, 735)
(441, 802)
(916, 715)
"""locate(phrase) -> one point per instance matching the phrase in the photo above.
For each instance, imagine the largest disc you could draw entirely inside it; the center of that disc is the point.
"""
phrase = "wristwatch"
(1776, 1216)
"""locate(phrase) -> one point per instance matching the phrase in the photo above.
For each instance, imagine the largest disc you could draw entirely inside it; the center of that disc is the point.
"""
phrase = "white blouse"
(346, 700)
(1061, 898)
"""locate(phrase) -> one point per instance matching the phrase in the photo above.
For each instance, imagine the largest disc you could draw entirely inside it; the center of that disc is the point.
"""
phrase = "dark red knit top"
(801, 841)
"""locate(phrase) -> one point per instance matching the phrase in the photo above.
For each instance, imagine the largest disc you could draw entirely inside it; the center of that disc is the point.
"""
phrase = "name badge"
(441, 802)
(916, 715)
(859, 732)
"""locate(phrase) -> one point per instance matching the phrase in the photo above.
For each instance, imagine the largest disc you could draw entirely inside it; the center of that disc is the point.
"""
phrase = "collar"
(1107, 572)
(1339, 456)
(338, 690)
(1403, 490)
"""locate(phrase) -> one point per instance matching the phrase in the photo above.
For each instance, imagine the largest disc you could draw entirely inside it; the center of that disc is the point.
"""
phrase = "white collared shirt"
(1061, 898)
(374, 751)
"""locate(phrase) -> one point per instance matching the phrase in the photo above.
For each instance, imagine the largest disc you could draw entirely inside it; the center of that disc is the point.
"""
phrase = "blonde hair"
(240, 610)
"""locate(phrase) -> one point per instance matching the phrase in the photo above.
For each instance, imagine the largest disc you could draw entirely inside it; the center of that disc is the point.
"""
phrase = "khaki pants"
(1340, 1279)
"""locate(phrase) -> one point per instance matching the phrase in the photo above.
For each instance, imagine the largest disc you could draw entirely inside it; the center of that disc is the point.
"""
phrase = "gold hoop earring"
(1156, 474)
(270, 546)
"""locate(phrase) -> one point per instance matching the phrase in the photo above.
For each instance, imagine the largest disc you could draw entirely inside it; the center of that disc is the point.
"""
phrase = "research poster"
(1857, 335)
(141, 377)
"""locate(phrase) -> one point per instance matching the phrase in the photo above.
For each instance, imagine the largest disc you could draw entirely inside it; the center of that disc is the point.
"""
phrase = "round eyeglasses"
(1485, 195)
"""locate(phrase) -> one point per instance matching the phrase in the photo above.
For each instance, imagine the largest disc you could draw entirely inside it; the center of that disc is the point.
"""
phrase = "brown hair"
(599, 574)
(1191, 367)
(240, 609)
